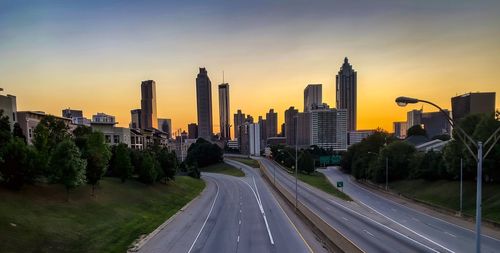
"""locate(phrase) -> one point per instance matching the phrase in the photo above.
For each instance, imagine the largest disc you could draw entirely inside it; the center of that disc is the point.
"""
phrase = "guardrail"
(342, 242)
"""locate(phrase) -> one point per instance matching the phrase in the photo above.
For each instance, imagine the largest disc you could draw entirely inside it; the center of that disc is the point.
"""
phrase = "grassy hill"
(39, 219)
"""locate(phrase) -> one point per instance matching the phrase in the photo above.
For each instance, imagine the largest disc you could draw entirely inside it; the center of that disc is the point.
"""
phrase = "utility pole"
(478, 194)
(461, 185)
(386, 173)
(296, 163)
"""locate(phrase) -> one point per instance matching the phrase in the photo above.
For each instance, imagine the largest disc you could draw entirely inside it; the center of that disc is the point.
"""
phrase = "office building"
(271, 124)
(192, 131)
(303, 133)
(358, 136)
(249, 119)
(329, 128)
(472, 103)
(400, 129)
(8, 105)
(225, 125)
(346, 93)
(282, 132)
(165, 125)
(262, 127)
(436, 123)
(239, 119)
(204, 105)
(28, 120)
(290, 125)
(249, 141)
(69, 113)
(148, 105)
(312, 96)
(413, 118)
(103, 118)
(136, 119)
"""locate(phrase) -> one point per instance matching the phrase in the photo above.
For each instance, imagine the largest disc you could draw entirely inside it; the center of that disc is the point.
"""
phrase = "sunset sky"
(93, 55)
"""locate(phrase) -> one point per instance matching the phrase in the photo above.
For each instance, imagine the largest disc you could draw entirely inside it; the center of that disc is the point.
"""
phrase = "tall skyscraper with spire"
(148, 105)
(204, 105)
(225, 126)
(346, 91)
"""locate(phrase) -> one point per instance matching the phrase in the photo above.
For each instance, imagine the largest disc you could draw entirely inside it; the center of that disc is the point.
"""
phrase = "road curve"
(368, 230)
(231, 215)
(451, 236)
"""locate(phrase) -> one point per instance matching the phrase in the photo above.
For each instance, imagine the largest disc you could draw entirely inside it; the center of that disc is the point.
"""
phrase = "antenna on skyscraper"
(223, 76)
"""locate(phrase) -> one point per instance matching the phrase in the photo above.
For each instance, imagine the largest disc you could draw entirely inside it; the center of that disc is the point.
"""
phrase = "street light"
(468, 142)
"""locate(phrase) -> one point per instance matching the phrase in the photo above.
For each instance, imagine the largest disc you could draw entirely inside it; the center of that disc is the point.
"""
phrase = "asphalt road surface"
(231, 215)
(451, 236)
(366, 228)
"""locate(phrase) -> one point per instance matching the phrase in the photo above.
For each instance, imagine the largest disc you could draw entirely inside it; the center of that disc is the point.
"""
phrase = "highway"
(231, 215)
(367, 229)
(451, 236)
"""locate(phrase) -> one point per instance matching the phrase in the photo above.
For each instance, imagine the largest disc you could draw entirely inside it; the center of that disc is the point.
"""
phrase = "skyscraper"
(271, 124)
(312, 96)
(148, 105)
(136, 119)
(225, 126)
(470, 103)
(239, 119)
(290, 125)
(204, 105)
(165, 125)
(192, 131)
(413, 118)
(346, 88)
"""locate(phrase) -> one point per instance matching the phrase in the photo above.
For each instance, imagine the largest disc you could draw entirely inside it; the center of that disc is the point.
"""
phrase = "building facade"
(346, 89)
(249, 141)
(103, 118)
(28, 120)
(239, 119)
(192, 131)
(290, 125)
(472, 103)
(329, 128)
(271, 124)
(303, 124)
(400, 129)
(136, 118)
(148, 105)
(313, 95)
(70, 113)
(358, 136)
(165, 125)
(8, 105)
(436, 123)
(413, 118)
(204, 105)
(225, 125)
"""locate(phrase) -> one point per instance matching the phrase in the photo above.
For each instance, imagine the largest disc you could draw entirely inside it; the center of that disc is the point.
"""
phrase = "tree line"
(367, 159)
(306, 157)
(75, 158)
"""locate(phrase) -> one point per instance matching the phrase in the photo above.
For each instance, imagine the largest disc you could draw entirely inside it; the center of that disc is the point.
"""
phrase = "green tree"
(5, 135)
(97, 154)
(18, 132)
(121, 163)
(416, 130)
(399, 154)
(306, 162)
(68, 165)
(17, 167)
(168, 163)
(46, 136)
(204, 153)
(81, 134)
(148, 172)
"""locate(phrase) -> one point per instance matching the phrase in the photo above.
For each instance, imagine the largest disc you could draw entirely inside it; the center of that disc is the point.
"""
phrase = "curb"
(136, 246)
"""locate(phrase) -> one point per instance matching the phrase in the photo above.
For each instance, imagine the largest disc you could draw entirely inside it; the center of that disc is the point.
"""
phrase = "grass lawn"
(319, 181)
(250, 162)
(447, 194)
(224, 168)
(38, 218)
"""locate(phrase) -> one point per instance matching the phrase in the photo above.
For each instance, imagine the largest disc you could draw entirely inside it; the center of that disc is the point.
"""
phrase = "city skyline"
(393, 52)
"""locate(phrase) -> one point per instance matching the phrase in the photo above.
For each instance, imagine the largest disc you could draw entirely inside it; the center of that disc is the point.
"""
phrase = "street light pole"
(403, 101)
(461, 185)
(478, 194)
(296, 164)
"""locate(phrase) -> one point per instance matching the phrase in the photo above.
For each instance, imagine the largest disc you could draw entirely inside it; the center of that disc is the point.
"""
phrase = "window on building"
(108, 138)
(116, 139)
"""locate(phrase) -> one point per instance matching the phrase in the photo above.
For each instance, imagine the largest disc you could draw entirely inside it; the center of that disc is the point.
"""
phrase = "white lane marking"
(208, 216)
(366, 231)
(257, 198)
(263, 213)
(238, 240)
(239, 223)
(240, 210)
(415, 219)
(417, 211)
(345, 218)
(409, 229)
(450, 234)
